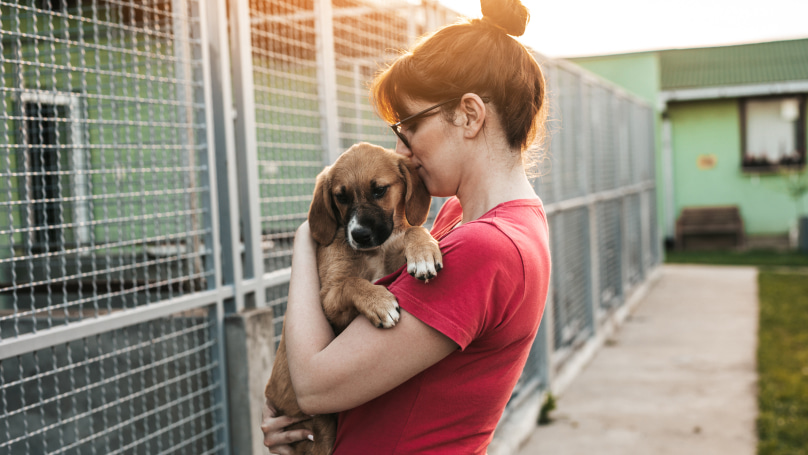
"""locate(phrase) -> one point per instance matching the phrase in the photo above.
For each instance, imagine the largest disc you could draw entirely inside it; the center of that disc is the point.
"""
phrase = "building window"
(132, 13)
(773, 132)
(45, 178)
(53, 164)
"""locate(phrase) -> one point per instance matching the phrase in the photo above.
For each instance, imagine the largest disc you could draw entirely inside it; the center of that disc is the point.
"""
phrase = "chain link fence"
(108, 329)
(155, 160)
(598, 186)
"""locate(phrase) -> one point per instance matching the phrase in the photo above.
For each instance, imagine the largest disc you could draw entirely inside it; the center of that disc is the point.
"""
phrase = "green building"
(731, 128)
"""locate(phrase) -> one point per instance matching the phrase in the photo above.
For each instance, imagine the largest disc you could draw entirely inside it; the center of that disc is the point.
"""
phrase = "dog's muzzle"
(368, 231)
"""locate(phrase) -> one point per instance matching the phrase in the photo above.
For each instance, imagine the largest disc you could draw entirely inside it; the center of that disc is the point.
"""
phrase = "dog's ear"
(322, 219)
(417, 198)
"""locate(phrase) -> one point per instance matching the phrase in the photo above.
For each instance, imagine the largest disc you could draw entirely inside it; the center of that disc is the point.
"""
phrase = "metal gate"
(110, 296)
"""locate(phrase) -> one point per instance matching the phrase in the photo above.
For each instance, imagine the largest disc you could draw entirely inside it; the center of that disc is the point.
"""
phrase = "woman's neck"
(493, 187)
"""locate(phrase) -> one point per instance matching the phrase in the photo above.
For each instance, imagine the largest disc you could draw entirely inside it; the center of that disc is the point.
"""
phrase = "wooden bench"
(709, 228)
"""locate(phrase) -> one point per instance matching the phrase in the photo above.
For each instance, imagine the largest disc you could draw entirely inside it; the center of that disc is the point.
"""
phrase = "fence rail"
(155, 159)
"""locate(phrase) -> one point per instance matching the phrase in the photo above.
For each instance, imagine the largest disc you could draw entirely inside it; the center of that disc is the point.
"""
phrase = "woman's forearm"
(307, 330)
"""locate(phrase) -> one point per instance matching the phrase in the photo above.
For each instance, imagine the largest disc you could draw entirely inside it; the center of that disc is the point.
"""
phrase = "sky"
(573, 28)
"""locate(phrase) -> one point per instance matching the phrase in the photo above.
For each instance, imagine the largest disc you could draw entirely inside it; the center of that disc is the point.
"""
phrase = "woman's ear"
(472, 112)
(416, 197)
(322, 219)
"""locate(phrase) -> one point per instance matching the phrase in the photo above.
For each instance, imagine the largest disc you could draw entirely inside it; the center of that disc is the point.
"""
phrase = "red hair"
(472, 56)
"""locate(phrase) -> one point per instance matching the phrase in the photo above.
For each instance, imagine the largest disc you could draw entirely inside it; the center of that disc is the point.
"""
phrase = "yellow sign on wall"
(705, 162)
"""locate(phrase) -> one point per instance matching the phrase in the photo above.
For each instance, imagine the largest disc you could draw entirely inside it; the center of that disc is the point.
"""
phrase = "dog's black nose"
(362, 235)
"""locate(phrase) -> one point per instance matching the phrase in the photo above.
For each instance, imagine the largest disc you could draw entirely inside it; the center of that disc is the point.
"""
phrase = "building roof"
(759, 63)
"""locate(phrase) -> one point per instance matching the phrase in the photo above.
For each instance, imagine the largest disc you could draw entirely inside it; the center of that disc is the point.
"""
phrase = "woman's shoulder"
(485, 238)
(513, 228)
(507, 219)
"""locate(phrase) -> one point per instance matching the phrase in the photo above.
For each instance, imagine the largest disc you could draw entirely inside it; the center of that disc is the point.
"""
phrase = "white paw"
(424, 259)
(424, 269)
(387, 314)
(380, 307)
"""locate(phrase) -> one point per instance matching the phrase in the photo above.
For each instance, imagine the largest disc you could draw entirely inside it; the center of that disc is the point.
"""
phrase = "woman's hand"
(276, 438)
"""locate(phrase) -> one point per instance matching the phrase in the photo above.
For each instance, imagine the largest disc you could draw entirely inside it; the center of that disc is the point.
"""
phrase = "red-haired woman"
(467, 104)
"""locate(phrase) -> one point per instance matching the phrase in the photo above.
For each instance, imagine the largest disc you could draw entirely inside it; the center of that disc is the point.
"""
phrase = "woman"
(465, 103)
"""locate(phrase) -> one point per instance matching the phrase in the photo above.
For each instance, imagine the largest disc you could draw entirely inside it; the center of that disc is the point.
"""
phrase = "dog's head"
(370, 192)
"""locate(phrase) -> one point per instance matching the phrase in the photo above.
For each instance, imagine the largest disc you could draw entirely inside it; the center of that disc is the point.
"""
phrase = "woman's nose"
(402, 149)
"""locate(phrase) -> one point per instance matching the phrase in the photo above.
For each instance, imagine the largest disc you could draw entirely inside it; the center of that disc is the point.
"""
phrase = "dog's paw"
(424, 269)
(424, 259)
(380, 307)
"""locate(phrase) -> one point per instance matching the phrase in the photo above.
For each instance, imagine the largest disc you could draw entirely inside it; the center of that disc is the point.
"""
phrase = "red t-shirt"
(489, 299)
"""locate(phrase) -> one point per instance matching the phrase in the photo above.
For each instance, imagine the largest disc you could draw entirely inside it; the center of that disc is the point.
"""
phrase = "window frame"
(77, 161)
(766, 166)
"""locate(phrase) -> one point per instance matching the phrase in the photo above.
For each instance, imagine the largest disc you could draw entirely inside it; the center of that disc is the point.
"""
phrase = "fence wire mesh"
(147, 388)
(604, 162)
(288, 119)
(572, 312)
(567, 144)
(610, 241)
(633, 224)
(364, 40)
(598, 187)
(101, 131)
(103, 211)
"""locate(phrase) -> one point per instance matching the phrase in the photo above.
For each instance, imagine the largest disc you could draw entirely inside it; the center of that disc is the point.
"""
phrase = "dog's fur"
(366, 216)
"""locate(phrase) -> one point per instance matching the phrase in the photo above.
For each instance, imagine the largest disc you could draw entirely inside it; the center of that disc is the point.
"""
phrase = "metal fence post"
(246, 151)
(212, 31)
(327, 79)
(223, 146)
(585, 150)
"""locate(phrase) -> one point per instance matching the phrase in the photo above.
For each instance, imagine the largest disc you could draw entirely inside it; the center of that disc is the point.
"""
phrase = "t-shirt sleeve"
(481, 268)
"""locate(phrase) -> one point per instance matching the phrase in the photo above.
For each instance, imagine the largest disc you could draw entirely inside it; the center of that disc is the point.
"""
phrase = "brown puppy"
(366, 215)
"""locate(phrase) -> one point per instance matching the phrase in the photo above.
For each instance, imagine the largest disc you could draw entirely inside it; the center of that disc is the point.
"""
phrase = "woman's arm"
(334, 374)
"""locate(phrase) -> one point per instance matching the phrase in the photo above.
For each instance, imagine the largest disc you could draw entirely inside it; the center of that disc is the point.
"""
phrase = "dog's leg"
(279, 389)
(353, 294)
(422, 251)
(324, 428)
(282, 397)
(280, 393)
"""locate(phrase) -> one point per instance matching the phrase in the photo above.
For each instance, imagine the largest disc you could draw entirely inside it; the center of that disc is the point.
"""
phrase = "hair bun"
(509, 15)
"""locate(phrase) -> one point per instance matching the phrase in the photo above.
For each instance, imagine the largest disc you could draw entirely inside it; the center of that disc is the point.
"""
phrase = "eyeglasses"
(396, 127)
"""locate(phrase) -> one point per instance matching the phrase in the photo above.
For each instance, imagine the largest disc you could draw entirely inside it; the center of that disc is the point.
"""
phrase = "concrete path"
(679, 376)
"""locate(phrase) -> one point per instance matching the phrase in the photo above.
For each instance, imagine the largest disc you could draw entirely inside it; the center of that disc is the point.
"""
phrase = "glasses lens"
(397, 127)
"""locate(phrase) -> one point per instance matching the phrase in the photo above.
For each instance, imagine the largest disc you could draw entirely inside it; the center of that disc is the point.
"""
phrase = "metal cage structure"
(110, 306)
(155, 159)
(599, 192)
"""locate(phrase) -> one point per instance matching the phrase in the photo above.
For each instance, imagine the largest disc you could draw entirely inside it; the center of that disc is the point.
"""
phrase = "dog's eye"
(342, 198)
(379, 192)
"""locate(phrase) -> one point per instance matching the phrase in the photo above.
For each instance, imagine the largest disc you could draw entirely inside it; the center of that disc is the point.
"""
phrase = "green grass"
(782, 355)
(783, 364)
(759, 258)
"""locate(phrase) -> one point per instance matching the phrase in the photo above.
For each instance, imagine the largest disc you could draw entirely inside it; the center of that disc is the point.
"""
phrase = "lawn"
(755, 258)
(783, 364)
(782, 355)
